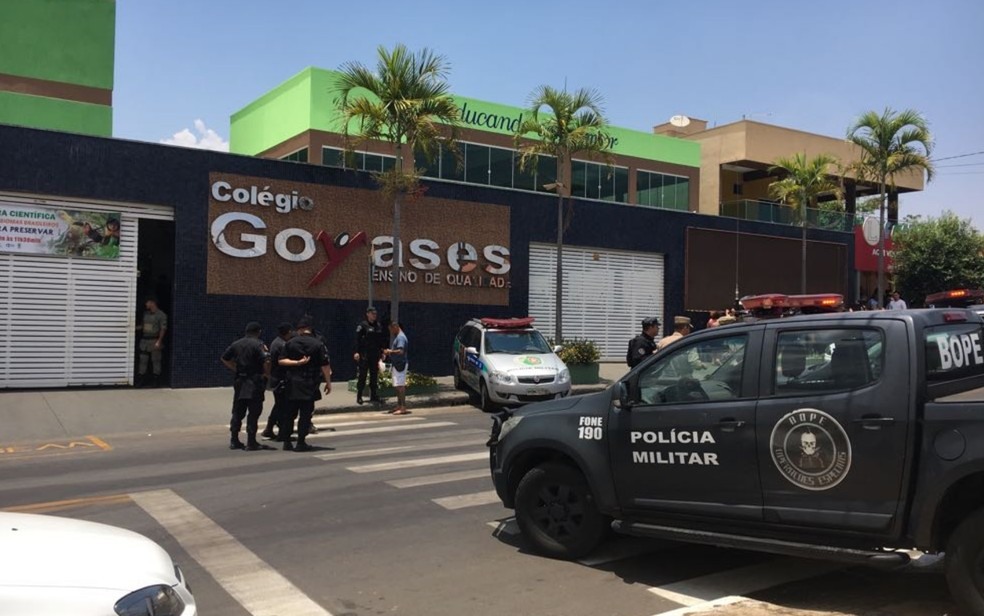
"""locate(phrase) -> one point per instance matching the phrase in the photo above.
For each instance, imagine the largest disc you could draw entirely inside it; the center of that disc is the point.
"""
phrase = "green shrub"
(579, 351)
(413, 379)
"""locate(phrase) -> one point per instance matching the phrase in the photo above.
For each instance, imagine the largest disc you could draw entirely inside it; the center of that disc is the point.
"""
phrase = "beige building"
(735, 161)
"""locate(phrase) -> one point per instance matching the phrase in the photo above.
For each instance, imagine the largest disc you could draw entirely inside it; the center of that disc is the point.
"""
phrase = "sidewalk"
(60, 413)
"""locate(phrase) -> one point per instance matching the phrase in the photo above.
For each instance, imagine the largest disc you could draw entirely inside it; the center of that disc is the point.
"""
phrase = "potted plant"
(581, 356)
(416, 384)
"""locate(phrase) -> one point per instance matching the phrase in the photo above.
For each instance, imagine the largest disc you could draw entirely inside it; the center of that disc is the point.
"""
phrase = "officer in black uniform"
(249, 359)
(643, 345)
(277, 382)
(369, 344)
(306, 361)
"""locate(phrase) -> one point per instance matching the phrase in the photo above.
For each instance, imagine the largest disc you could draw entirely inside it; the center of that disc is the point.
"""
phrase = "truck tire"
(556, 512)
(485, 401)
(965, 563)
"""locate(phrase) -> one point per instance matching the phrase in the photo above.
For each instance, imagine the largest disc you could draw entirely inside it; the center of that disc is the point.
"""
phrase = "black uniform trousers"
(250, 409)
(302, 411)
(368, 366)
(279, 407)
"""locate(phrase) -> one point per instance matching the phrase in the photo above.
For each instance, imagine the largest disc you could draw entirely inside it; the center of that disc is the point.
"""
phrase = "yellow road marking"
(90, 443)
(72, 503)
(101, 444)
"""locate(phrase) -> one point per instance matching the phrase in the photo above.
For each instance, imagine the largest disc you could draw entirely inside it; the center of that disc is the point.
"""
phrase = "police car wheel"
(458, 385)
(965, 563)
(486, 401)
(556, 512)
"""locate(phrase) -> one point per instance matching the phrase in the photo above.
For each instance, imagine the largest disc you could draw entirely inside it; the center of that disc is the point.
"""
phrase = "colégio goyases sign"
(284, 239)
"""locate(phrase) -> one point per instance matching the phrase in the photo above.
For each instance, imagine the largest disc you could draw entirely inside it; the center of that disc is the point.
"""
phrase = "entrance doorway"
(155, 279)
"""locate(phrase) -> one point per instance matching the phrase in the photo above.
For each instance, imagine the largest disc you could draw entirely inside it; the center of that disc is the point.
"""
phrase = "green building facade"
(56, 64)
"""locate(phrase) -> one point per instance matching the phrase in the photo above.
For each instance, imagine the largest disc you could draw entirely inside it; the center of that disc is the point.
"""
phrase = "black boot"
(302, 446)
(235, 443)
(251, 443)
(288, 445)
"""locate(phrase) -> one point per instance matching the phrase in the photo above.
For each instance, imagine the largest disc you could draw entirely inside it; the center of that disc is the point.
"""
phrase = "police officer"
(285, 331)
(643, 345)
(249, 360)
(305, 359)
(369, 344)
(681, 327)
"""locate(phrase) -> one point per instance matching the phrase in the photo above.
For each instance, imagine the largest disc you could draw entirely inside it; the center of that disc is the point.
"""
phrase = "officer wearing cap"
(306, 361)
(681, 327)
(249, 360)
(369, 344)
(643, 345)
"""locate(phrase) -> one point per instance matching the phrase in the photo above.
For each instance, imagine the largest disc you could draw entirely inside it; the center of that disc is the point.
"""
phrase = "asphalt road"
(396, 516)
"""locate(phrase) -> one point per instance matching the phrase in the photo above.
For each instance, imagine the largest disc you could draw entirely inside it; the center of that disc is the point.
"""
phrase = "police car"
(508, 362)
(751, 436)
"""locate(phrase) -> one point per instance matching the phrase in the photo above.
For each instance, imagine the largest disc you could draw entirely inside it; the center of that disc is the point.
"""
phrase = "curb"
(444, 398)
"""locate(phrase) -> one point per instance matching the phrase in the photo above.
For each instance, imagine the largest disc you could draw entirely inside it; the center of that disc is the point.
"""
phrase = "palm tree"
(805, 180)
(562, 124)
(891, 144)
(404, 101)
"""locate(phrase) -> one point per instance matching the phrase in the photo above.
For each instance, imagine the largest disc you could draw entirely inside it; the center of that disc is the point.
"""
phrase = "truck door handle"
(874, 422)
(730, 424)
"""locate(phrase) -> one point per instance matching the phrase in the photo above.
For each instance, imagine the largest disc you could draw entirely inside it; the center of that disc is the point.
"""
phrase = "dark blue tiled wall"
(72, 166)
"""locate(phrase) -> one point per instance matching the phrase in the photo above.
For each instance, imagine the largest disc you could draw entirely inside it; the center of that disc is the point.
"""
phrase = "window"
(428, 168)
(546, 172)
(524, 179)
(827, 360)
(515, 342)
(500, 167)
(332, 157)
(954, 351)
(452, 163)
(300, 156)
(476, 164)
(663, 191)
(706, 371)
(359, 161)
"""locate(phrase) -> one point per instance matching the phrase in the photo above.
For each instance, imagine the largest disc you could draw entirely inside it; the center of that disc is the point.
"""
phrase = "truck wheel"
(487, 405)
(556, 512)
(965, 563)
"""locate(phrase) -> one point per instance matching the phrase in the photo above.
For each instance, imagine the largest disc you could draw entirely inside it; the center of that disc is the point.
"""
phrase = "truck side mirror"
(558, 349)
(471, 351)
(623, 401)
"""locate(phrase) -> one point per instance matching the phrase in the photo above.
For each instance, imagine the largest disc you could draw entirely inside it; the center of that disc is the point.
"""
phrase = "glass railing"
(766, 211)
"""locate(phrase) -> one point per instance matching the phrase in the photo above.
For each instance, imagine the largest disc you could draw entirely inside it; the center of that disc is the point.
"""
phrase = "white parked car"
(507, 362)
(51, 566)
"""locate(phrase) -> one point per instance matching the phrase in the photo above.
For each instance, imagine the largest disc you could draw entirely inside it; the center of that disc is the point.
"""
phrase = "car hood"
(43, 551)
(527, 363)
(570, 403)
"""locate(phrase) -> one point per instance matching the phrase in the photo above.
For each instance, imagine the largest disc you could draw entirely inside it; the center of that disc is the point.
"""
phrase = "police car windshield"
(515, 342)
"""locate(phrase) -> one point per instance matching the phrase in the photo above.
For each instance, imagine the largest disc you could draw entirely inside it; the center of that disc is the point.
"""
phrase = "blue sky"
(809, 65)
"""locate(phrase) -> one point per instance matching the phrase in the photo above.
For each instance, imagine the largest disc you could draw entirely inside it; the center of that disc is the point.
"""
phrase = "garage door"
(68, 321)
(606, 294)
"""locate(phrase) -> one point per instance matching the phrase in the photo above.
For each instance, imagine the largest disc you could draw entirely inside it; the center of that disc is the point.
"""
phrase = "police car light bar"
(514, 323)
(764, 302)
(944, 297)
(820, 300)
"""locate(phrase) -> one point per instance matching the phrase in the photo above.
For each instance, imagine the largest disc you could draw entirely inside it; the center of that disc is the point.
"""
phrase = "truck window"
(827, 360)
(707, 370)
(954, 351)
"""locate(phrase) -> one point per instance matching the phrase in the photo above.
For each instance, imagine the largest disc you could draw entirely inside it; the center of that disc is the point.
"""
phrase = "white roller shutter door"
(607, 294)
(67, 321)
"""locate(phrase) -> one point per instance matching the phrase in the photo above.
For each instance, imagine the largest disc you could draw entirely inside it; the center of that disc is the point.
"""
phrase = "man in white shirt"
(897, 303)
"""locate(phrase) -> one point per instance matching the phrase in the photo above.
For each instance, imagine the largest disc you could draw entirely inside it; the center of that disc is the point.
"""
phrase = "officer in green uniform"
(151, 332)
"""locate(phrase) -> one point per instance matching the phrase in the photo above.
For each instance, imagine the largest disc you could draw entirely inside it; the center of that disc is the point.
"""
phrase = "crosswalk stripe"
(258, 587)
(507, 526)
(430, 480)
(463, 501)
(381, 451)
(385, 429)
(366, 422)
(416, 462)
(741, 581)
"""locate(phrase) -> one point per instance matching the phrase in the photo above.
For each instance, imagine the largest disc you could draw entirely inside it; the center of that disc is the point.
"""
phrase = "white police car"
(53, 566)
(507, 362)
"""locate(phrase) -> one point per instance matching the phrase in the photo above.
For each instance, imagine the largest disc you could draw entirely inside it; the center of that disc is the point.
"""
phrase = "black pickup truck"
(849, 436)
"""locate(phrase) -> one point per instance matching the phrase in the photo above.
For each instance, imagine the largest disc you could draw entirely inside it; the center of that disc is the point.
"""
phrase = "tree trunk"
(397, 250)
(803, 246)
(559, 273)
(881, 243)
